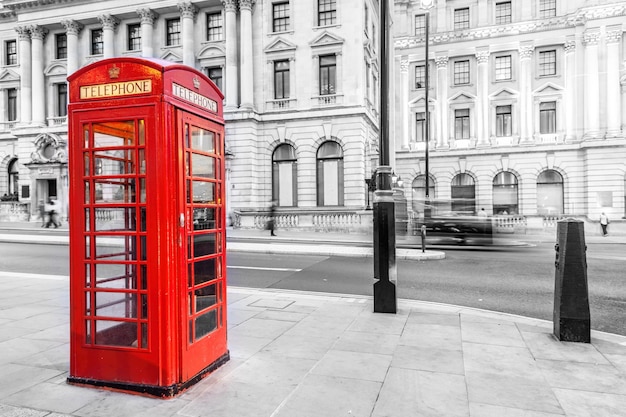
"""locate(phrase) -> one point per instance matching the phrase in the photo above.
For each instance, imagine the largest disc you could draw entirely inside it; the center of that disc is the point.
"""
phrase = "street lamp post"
(384, 207)
(427, 5)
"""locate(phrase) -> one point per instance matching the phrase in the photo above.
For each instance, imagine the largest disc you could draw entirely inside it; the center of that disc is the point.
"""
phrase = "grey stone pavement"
(305, 354)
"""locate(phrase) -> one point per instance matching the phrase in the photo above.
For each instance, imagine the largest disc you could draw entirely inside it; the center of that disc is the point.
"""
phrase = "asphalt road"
(513, 280)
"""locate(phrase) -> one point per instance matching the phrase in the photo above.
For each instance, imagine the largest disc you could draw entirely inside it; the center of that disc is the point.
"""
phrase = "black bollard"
(571, 295)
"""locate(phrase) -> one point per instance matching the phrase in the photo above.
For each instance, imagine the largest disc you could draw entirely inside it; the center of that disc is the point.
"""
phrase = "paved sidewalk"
(303, 354)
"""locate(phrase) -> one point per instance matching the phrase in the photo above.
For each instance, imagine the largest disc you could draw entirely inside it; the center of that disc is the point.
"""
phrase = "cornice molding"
(578, 18)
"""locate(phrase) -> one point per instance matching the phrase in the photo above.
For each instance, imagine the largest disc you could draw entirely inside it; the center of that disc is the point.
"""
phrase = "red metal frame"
(147, 236)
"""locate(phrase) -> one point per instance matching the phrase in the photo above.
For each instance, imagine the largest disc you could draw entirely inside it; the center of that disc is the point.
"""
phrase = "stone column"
(613, 107)
(570, 89)
(147, 28)
(404, 102)
(187, 12)
(37, 34)
(482, 93)
(72, 29)
(442, 101)
(526, 99)
(26, 73)
(246, 59)
(108, 34)
(231, 76)
(592, 85)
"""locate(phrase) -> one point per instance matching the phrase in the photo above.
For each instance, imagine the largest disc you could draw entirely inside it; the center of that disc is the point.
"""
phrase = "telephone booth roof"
(133, 77)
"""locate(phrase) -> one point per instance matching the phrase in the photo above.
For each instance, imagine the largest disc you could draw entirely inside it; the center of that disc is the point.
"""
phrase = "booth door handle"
(181, 219)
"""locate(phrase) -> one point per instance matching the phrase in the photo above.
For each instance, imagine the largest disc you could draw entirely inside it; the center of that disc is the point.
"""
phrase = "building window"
(60, 40)
(547, 117)
(11, 52)
(549, 193)
(503, 13)
(330, 174)
(461, 72)
(61, 90)
(547, 63)
(366, 23)
(420, 126)
(503, 67)
(14, 176)
(420, 76)
(328, 74)
(215, 75)
(281, 79)
(134, 37)
(214, 27)
(284, 176)
(97, 42)
(463, 193)
(461, 124)
(280, 17)
(505, 199)
(503, 121)
(173, 32)
(418, 189)
(547, 8)
(420, 25)
(12, 104)
(327, 12)
(461, 18)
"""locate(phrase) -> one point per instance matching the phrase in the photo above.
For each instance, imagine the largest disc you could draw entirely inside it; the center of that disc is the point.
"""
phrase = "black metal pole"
(427, 206)
(384, 206)
(427, 87)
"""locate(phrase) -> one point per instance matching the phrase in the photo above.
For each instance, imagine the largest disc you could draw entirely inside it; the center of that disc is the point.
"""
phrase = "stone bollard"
(571, 295)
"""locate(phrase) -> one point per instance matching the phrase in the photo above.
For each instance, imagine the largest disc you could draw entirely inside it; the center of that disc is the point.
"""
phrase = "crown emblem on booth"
(196, 82)
(114, 72)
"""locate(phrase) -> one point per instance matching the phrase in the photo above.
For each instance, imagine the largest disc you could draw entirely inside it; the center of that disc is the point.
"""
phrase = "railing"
(6, 126)
(14, 211)
(550, 221)
(510, 224)
(311, 220)
(57, 121)
(328, 99)
(281, 104)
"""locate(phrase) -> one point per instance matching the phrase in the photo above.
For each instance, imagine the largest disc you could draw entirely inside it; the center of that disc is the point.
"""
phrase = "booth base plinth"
(150, 390)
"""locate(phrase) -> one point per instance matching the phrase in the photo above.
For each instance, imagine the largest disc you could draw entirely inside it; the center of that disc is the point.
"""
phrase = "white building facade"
(300, 80)
(527, 105)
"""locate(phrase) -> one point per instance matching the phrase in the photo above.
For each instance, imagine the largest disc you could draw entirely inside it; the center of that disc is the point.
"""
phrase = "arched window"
(284, 176)
(329, 174)
(463, 194)
(419, 192)
(549, 193)
(505, 194)
(14, 176)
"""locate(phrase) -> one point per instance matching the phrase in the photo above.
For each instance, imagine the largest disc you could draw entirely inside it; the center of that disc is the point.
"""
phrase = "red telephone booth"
(147, 217)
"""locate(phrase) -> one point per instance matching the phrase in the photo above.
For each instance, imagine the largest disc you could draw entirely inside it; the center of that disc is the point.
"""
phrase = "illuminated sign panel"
(126, 88)
(194, 98)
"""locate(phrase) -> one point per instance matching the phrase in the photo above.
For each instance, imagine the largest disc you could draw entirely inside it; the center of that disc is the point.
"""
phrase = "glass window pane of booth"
(114, 224)
(204, 244)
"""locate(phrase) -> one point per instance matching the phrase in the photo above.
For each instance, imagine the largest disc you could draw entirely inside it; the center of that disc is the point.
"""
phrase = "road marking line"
(19, 275)
(265, 269)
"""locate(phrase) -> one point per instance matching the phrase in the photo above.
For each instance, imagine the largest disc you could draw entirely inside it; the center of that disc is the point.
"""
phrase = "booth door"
(203, 249)
(111, 283)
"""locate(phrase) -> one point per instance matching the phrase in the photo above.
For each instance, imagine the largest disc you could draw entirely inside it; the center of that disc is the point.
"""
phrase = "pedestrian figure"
(51, 211)
(271, 222)
(42, 212)
(604, 222)
(482, 213)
